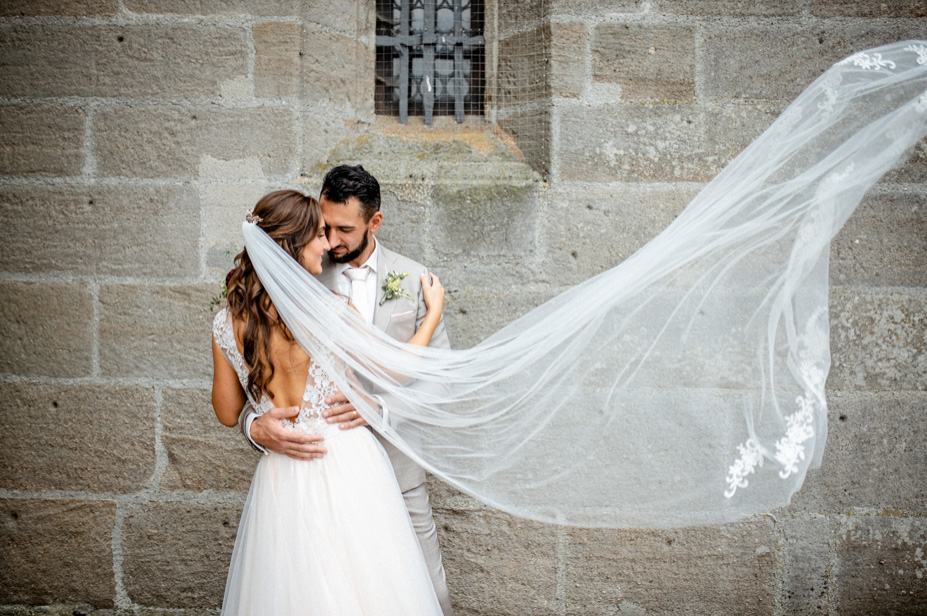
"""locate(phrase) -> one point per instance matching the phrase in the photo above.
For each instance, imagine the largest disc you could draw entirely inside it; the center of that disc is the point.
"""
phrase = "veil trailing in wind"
(684, 386)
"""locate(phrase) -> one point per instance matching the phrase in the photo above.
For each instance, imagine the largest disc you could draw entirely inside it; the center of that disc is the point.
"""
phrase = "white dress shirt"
(344, 283)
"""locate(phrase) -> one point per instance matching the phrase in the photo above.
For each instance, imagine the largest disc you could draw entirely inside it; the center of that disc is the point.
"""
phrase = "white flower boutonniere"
(391, 288)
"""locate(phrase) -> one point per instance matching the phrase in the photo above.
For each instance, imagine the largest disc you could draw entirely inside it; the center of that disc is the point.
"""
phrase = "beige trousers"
(423, 521)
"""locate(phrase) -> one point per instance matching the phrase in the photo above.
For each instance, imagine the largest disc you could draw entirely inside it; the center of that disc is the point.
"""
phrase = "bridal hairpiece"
(250, 217)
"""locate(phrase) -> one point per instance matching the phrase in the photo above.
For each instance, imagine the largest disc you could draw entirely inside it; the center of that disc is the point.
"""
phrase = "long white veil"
(684, 386)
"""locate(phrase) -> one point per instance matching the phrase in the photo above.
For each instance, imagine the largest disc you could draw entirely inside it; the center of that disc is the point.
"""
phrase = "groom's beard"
(351, 254)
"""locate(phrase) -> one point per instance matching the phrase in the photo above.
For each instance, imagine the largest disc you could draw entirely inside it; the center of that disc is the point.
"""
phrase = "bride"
(331, 535)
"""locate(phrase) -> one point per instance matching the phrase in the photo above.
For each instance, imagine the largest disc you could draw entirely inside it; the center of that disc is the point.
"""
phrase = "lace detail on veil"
(869, 62)
(790, 449)
(920, 50)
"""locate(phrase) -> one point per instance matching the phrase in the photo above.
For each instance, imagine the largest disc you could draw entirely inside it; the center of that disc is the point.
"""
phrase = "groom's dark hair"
(345, 181)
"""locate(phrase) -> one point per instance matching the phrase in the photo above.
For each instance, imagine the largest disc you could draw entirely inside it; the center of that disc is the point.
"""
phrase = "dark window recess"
(430, 58)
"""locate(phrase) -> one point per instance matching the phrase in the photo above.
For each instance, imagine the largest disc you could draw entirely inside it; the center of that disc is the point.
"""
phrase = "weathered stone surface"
(567, 59)
(531, 129)
(884, 243)
(57, 550)
(648, 62)
(156, 331)
(338, 68)
(277, 48)
(888, 427)
(777, 62)
(444, 497)
(326, 125)
(120, 60)
(593, 8)
(856, 8)
(807, 550)
(215, 7)
(589, 229)
(499, 564)
(484, 219)
(202, 454)
(291, 60)
(350, 16)
(402, 229)
(473, 311)
(409, 159)
(731, 8)
(120, 230)
(883, 569)
(175, 140)
(655, 143)
(914, 169)
(87, 437)
(523, 72)
(517, 15)
(177, 554)
(41, 140)
(77, 8)
(726, 569)
(877, 339)
(46, 329)
(226, 204)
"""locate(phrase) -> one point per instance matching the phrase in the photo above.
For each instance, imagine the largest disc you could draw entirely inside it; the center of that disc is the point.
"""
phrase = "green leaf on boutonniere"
(392, 288)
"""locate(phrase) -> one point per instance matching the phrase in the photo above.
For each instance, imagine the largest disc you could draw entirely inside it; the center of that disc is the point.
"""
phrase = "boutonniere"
(391, 288)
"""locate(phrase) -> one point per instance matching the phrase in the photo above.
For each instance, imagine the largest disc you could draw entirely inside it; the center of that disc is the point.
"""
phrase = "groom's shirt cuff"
(248, 421)
(384, 410)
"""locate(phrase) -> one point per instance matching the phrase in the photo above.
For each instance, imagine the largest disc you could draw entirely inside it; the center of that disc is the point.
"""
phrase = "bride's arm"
(342, 411)
(227, 395)
(433, 294)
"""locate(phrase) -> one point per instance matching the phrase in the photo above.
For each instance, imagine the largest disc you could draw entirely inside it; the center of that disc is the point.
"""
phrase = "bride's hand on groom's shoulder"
(432, 291)
(268, 431)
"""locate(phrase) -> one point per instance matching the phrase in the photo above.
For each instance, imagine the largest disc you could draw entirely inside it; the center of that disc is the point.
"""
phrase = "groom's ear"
(375, 221)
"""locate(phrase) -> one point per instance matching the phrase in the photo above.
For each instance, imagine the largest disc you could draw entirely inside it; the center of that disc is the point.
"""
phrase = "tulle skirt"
(330, 536)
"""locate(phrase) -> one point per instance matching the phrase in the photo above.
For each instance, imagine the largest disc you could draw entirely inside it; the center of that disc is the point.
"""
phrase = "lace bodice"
(318, 383)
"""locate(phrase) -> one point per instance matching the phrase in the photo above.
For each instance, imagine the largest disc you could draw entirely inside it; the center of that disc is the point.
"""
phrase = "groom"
(356, 266)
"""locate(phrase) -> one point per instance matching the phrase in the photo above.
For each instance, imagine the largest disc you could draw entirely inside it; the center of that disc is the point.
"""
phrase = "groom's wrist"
(249, 421)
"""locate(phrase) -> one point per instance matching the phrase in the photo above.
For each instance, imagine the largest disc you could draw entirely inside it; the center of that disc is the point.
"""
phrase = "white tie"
(359, 297)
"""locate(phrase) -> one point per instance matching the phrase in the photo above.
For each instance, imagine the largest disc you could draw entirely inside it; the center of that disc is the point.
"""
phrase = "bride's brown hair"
(291, 219)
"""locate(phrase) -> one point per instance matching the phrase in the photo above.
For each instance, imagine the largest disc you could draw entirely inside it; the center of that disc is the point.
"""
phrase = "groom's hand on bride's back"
(268, 431)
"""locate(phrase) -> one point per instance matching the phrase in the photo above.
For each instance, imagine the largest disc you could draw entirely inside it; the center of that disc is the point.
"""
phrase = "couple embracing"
(337, 519)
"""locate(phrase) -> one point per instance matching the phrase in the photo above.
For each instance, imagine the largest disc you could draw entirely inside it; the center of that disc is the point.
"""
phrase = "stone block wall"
(134, 134)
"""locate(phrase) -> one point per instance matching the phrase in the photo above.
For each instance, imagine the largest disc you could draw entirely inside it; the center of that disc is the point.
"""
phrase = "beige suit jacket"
(400, 318)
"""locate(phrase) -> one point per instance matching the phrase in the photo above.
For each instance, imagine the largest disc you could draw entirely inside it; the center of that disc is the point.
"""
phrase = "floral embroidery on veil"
(790, 449)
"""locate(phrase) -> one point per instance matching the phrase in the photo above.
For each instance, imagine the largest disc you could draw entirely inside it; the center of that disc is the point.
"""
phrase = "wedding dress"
(683, 386)
(329, 536)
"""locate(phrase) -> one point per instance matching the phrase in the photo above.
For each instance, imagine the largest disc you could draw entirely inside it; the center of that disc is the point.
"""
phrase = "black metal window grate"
(430, 58)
